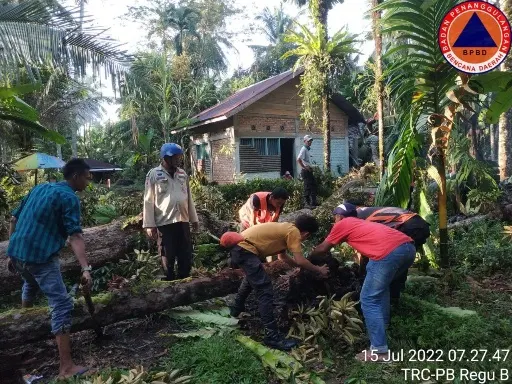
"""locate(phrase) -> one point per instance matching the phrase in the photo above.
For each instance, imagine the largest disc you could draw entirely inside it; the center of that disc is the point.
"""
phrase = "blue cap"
(170, 149)
(346, 209)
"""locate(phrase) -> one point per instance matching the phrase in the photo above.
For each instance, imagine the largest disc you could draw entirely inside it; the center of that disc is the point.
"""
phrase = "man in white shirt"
(168, 210)
(304, 161)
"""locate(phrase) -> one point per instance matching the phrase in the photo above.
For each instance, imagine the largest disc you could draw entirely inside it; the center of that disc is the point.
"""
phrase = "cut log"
(103, 244)
(24, 326)
(469, 221)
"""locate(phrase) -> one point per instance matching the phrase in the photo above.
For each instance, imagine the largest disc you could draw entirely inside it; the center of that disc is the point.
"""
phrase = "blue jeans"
(375, 295)
(48, 278)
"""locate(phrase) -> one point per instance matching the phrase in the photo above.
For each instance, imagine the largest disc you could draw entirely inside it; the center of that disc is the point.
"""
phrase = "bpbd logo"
(474, 37)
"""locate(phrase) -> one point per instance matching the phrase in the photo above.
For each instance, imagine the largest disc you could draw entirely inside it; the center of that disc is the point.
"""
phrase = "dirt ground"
(143, 341)
(127, 344)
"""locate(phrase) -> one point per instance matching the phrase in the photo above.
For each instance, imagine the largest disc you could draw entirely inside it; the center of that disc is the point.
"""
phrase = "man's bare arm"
(78, 245)
(12, 225)
(288, 260)
(302, 262)
(321, 249)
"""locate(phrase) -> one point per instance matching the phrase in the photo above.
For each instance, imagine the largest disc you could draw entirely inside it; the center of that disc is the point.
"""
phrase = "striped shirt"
(45, 218)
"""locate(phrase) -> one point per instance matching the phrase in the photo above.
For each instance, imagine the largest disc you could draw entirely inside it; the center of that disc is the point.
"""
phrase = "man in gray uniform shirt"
(304, 161)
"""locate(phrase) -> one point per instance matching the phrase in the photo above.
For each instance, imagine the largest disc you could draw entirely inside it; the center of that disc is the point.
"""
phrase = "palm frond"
(33, 35)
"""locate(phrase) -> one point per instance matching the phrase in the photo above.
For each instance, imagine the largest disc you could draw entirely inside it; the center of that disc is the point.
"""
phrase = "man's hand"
(10, 266)
(151, 232)
(87, 279)
(323, 271)
(195, 227)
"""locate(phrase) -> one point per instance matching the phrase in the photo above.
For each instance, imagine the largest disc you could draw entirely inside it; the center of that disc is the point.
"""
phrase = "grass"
(417, 324)
(217, 360)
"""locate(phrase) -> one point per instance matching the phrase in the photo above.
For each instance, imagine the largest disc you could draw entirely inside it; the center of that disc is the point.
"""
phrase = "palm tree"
(41, 33)
(421, 94)
(275, 23)
(322, 8)
(504, 128)
(316, 55)
(184, 21)
(379, 89)
(33, 34)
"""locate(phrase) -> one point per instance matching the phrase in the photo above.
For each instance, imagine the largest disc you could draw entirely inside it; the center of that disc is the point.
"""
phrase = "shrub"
(481, 248)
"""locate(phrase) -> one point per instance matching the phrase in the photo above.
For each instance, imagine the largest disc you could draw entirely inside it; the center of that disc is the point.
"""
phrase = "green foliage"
(317, 54)
(481, 248)
(43, 33)
(205, 317)
(15, 109)
(211, 199)
(336, 319)
(209, 256)
(217, 360)
(136, 375)
(137, 269)
(446, 330)
(498, 83)
(100, 206)
(237, 194)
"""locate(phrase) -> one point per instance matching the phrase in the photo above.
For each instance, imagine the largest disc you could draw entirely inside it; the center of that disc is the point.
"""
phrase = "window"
(273, 147)
(260, 145)
(201, 152)
(264, 146)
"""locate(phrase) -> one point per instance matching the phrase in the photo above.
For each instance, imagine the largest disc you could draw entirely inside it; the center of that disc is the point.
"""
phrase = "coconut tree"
(34, 34)
(379, 89)
(317, 55)
(320, 8)
(275, 23)
(318, 64)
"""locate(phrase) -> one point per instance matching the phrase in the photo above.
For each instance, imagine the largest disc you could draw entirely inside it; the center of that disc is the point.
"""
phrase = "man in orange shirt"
(391, 253)
(262, 207)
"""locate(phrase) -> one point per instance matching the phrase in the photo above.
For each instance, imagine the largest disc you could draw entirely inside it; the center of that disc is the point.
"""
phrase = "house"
(257, 132)
(101, 170)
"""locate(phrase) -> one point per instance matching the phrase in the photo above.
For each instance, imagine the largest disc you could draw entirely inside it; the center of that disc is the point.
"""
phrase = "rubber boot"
(274, 339)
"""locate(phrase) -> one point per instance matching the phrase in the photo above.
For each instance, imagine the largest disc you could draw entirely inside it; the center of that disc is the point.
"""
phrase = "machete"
(90, 306)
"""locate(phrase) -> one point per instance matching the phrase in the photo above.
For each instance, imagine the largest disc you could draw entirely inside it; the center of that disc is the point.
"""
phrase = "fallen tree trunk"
(103, 244)
(469, 221)
(24, 326)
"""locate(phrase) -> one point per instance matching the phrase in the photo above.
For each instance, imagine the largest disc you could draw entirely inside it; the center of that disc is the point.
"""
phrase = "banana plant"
(14, 109)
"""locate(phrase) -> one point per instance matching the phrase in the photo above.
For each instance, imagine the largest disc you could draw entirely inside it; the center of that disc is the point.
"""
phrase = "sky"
(107, 13)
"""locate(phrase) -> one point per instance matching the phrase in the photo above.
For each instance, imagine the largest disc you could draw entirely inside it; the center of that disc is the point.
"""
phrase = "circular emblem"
(474, 37)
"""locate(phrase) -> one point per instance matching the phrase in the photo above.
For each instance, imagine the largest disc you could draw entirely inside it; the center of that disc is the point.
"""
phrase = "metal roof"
(100, 166)
(246, 96)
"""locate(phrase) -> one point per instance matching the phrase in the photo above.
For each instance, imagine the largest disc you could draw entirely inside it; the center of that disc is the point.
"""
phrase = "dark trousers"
(255, 278)
(309, 187)
(174, 244)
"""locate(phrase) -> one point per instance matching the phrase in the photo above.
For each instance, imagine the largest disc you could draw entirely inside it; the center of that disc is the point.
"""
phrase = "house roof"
(246, 96)
(100, 166)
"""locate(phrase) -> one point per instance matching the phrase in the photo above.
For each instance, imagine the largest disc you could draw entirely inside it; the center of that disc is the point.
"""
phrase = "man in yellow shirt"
(265, 240)
(168, 210)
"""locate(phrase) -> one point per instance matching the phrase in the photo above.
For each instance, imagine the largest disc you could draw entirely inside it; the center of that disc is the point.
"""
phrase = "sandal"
(370, 356)
(84, 372)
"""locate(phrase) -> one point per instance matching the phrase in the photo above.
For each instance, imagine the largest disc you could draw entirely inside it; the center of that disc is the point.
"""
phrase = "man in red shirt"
(391, 253)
